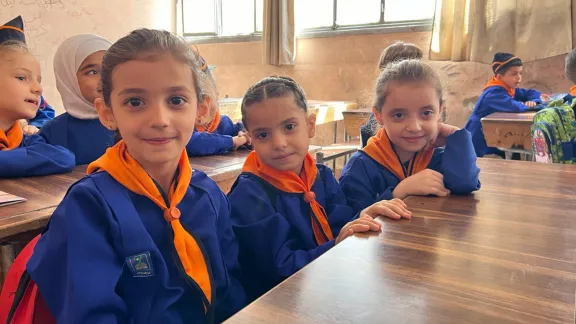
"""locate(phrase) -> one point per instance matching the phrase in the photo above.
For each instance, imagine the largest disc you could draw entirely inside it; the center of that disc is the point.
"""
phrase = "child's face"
(410, 115)
(511, 77)
(280, 132)
(88, 76)
(20, 88)
(154, 105)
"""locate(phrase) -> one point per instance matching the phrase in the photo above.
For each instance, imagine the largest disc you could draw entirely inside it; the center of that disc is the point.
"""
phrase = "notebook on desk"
(9, 199)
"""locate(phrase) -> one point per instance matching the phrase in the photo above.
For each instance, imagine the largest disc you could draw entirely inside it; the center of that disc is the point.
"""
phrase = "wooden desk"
(503, 255)
(509, 130)
(353, 119)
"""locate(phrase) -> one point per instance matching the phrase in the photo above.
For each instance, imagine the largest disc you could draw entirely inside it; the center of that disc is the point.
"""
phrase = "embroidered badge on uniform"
(141, 265)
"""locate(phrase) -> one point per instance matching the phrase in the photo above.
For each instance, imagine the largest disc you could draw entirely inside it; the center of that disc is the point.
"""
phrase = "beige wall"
(344, 68)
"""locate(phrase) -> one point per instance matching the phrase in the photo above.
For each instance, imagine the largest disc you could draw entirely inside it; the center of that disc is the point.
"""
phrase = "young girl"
(402, 158)
(286, 210)
(77, 66)
(393, 53)
(214, 133)
(20, 92)
(143, 238)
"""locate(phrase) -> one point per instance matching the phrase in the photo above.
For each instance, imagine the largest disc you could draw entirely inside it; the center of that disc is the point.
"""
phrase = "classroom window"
(222, 17)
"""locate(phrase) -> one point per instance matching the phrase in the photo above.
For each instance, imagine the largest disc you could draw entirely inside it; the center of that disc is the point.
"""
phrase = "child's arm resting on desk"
(500, 101)
(203, 143)
(75, 265)
(524, 95)
(35, 158)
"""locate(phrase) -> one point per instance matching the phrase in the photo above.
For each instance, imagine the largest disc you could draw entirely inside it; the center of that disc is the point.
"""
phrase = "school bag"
(554, 133)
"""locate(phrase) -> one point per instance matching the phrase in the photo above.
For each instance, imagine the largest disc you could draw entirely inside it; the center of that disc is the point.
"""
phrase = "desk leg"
(508, 155)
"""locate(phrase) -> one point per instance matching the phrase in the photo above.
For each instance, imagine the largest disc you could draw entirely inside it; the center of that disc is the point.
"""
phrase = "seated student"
(143, 238)
(20, 91)
(570, 71)
(287, 210)
(77, 66)
(395, 52)
(14, 30)
(406, 157)
(214, 133)
(501, 94)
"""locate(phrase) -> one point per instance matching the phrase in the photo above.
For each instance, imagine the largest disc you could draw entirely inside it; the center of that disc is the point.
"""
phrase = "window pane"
(314, 13)
(199, 16)
(259, 15)
(396, 10)
(355, 12)
(237, 17)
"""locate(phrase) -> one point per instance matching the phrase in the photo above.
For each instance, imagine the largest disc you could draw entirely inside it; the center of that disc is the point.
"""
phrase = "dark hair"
(570, 67)
(397, 52)
(507, 67)
(273, 87)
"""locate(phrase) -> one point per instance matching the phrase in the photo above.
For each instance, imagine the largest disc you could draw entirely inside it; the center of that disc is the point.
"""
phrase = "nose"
(36, 88)
(159, 115)
(413, 125)
(279, 141)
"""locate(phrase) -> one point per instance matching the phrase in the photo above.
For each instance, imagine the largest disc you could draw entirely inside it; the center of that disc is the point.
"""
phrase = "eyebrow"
(140, 90)
(89, 66)
(282, 122)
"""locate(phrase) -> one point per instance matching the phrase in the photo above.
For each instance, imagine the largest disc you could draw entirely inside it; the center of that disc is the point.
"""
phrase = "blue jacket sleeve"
(498, 100)
(457, 163)
(227, 127)
(44, 114)
(360, 192)
(233, 293)
(268, 245)
(524, 95)
(337, 209)
(34, 158)
(75, 265)
(203, 143)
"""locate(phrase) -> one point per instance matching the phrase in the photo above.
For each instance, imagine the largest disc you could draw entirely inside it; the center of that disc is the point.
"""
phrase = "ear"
(203, 109)
(105, 114)
(378, 115)
(498, 76)
(311, 125)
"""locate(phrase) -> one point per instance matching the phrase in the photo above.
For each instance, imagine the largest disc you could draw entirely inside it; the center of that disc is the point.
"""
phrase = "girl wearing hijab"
(77, 66)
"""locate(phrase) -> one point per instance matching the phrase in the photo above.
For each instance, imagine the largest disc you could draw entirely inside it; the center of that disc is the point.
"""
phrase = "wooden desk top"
(507, 117)
(503, 255)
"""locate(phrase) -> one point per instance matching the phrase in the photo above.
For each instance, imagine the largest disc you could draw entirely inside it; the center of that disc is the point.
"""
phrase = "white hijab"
(69, 56)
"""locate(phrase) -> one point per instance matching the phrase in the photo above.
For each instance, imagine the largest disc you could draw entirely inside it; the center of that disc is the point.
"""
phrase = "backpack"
(554, 133)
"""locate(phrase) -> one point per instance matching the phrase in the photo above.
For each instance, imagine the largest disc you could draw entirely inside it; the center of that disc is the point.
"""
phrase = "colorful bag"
(554, 133)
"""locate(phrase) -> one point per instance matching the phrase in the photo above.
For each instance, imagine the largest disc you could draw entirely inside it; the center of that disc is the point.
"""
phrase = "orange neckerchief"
(213, 125)
(495, 82)
(128, 172)
(288, 181)
(12, 139)
(573, 90)
(380, 149)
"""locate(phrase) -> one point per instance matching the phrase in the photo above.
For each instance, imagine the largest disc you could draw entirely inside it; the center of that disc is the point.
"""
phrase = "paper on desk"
(9, 199)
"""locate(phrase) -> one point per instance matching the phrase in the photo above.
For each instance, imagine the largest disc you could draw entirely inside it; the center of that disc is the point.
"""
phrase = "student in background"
(570, 70)
(287, 210)
(501, 94)
(77, 66)
(214, 133)
(24, 155)
(407, 155)
(142, 238)
(14, 30)
(395, 52)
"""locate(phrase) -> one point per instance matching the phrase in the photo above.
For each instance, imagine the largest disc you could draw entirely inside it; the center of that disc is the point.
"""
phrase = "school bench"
(504, 254)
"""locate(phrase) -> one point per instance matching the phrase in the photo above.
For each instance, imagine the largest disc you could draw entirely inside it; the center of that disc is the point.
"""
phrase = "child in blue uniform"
(501, 94)
(77, 66)
(570, 71)
(143, 238)
(20, 92)
(286, 210)
(14, 30)
(214, 133)
(406, 156)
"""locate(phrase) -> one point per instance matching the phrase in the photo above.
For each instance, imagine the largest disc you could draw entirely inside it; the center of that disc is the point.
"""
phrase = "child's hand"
(245, 134)
(424, 183)
(394, 209)
(530, 104)
(363, 224)
(444, 130)
(30, 130)
(545, 97)
(239, 141)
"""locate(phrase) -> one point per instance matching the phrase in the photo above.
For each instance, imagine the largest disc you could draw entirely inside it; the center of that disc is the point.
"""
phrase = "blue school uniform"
(496, 99)
(218, 142)
(365, 181)
(88, 139)
(34, 157)
(44, 114)
(106, 256)
(274, 230)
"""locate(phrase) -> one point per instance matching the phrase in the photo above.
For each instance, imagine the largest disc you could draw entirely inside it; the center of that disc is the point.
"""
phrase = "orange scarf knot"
(494, 82)
(213, 124)
(573, 90)
(12, 138)
(289, 181)
(171, 214)
(380, 149)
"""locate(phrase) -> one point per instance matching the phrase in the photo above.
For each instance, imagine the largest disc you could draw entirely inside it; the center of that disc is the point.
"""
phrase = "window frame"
(381, 27)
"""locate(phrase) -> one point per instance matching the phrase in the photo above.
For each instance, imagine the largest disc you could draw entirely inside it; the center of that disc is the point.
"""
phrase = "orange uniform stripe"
(213, 125)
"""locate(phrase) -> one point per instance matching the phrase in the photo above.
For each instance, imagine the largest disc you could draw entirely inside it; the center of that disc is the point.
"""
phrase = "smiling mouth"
(282, 157)
(158, 140)
(35, 102)
(413, 139)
